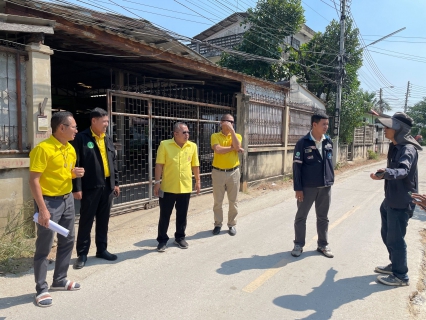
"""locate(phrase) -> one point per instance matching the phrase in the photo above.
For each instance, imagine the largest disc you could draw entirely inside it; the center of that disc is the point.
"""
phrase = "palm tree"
(371, 102)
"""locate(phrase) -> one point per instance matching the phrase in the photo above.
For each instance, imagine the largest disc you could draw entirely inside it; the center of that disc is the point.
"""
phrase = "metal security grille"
(13, 130)
(265, 124)
(300, 124)
(140, 122)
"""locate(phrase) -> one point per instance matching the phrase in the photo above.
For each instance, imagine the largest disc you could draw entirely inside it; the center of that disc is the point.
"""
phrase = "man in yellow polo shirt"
(175, 159)
(96, 154)
(226, 173)
(52, 166)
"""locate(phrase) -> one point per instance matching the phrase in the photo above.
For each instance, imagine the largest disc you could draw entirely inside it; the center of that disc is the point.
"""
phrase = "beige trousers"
(228, 182)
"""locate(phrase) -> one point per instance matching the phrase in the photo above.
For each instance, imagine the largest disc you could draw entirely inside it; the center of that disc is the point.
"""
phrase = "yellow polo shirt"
(49, 158)
(178, 163)
(227, 160)
(100, 141)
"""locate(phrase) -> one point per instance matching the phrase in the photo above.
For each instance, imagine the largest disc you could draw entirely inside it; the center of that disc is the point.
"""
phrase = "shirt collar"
(96, 136)
(57, 143)
(172, 140)
(312, 137)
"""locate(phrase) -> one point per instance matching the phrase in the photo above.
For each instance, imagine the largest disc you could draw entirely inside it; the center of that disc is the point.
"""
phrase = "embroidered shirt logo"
(90, 145)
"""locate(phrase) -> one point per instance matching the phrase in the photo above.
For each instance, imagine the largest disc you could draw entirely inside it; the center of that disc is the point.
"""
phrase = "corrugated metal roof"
(141, 31)
(136, 29)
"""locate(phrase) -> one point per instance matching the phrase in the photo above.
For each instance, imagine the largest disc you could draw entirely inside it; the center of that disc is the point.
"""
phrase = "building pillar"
(38, 88)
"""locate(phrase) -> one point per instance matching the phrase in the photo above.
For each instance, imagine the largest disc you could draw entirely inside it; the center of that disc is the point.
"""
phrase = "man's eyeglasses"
(230, 121)
(72, 127)
(185, 132)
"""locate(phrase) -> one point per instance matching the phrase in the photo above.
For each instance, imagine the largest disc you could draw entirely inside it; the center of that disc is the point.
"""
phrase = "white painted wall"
(299, 94)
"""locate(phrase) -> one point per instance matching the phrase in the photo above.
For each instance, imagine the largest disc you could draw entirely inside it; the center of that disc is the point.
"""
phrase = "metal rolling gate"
(139, 122)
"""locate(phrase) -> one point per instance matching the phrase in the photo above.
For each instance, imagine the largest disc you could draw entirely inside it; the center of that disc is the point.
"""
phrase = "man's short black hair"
(59, 118)
(316, 117)
(98, 113)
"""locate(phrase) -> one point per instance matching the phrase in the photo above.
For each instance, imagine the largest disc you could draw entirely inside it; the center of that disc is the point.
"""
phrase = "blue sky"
(385, 65)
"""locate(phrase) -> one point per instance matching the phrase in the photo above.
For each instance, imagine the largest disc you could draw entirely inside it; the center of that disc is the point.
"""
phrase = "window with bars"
(13, 115)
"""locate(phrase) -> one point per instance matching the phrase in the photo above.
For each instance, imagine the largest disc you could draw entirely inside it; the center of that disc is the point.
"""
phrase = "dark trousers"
(181, 203)
(322, 199)
(394, 227)
(62, 212)
(96, 203)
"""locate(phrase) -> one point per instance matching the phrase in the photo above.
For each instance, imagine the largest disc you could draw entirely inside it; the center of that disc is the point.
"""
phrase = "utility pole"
(406, 96)
(380, 101)
(340, 75)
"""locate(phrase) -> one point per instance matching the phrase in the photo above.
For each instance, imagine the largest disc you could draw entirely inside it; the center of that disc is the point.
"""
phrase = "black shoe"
(106, 255)
(161, 247)
(181, 244)
(232, 231)
(80, 262)
(216, 230)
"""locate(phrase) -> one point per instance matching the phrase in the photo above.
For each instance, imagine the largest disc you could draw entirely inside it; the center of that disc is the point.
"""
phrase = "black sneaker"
(391, 280)
(161, 247)
(216, 230)
(386, 270)
(181, 244)
(232, 231)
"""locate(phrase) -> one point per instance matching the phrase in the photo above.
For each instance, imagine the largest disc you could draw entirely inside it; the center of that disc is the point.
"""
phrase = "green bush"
(372, 155)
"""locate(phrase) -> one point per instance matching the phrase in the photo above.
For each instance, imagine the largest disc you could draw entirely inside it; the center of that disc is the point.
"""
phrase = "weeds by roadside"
(372, 155)
(16, 247)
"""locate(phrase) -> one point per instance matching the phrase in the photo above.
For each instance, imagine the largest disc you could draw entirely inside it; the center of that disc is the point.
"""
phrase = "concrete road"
(249, 276)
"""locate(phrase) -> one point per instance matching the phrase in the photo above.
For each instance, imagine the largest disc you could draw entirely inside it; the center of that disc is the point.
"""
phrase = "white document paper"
(54, 226)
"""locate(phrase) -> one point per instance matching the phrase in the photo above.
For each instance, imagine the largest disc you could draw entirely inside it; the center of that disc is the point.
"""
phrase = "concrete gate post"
(38, 88)
(243, 129)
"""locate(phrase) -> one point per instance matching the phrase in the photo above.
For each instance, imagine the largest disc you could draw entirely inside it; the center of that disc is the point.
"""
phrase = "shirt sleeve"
(406, 160)
(297, 166)
(214, 140)
(161, 154)
(195, 162)
(38, 160)
(240, 139)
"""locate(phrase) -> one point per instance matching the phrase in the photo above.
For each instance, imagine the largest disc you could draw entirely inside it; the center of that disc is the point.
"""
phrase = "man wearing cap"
(313, 176)
(401, 179)
(226, 173)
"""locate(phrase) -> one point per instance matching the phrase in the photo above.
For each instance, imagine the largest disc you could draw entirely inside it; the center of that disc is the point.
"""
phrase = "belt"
(65, 196)
(227, 170)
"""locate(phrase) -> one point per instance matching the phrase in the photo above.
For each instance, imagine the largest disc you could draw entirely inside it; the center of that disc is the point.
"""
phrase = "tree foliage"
(371, 102)
(316, 64)
(418, 113)
(268, 24)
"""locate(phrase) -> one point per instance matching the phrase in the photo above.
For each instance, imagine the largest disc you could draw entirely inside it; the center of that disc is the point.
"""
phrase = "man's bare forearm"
(158, 171)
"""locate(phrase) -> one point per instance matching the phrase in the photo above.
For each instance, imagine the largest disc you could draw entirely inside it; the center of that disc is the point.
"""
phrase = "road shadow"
(276, 260)
(121, 257)
(9, 302)
(331, 295)
(204, 234)
(419, 214)
(153, 242)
